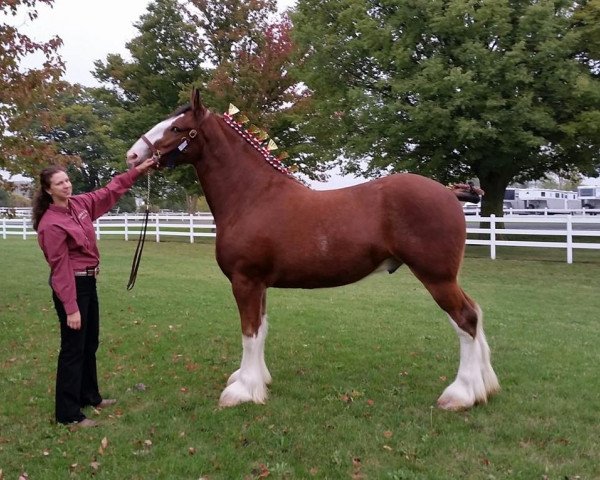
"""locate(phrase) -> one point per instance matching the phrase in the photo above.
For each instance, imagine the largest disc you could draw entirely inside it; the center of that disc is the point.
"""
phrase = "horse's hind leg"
(249, 382)
(476, 379)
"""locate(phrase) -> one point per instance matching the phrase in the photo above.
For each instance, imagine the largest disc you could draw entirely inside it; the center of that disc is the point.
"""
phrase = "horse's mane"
(180, 110)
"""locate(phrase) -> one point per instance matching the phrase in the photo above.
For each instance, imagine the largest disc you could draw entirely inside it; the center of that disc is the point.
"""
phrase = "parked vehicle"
(589, 197)
(540, 198)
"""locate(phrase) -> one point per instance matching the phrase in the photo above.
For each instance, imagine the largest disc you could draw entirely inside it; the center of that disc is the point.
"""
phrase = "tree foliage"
(237, 51)
(500, 90)
(27, 96)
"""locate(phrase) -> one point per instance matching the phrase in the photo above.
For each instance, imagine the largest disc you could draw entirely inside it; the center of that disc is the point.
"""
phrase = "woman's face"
(60, 187)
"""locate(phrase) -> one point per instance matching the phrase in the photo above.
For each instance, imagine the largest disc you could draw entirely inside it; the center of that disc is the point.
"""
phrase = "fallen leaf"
(261, 472)
(147, 443)
(192, 366)
(103, 445)
(192, 451)
(95, 465)
(183, 389)
(370, 402)
(24, 476)
(313, 471)
(388, 448)
(387, 434)
(356, 466)
(46, 452)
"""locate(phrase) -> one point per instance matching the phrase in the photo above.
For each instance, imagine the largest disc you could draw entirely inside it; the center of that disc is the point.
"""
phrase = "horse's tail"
(467, 192)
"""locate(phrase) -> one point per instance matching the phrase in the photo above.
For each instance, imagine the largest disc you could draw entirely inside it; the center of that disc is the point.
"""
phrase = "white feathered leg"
(249, 382)
(476, 379)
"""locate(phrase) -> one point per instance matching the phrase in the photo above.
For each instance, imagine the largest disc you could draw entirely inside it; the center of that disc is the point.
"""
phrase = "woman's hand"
(74, 320)
(146, 165)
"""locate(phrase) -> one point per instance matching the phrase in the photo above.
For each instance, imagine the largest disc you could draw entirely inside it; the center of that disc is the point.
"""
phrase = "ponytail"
(41, 198)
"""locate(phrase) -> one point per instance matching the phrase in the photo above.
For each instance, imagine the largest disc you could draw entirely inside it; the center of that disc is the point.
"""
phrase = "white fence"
(567, 232)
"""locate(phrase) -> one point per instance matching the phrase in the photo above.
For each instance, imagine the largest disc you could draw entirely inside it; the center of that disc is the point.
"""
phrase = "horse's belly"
(325, 273)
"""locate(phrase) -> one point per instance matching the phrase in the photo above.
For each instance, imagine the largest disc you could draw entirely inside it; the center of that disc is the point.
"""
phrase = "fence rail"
(567, 232)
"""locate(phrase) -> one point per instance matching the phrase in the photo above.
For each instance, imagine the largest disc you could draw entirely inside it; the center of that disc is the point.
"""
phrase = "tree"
(166, 59)
(85, 132)
(454, 90)
(236, 50)
(27, 96)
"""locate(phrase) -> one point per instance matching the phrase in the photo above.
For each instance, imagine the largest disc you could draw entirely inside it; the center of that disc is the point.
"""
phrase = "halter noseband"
(157, 154)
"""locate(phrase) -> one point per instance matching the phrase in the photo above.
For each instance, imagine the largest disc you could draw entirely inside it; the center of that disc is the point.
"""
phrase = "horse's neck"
(233, 174)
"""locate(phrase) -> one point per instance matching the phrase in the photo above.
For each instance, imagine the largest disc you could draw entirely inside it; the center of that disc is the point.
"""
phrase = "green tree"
(85, 132)
(27, 95)
(237, 51)
(166, 59)
(457, 89)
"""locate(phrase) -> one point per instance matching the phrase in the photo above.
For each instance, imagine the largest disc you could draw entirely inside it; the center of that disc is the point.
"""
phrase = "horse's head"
(172, 141)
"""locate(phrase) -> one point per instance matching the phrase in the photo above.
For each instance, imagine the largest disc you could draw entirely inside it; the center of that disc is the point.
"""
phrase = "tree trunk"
(493, 200)
(191, 201)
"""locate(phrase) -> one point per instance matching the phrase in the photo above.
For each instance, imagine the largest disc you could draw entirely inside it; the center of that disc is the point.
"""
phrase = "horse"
(274, 231)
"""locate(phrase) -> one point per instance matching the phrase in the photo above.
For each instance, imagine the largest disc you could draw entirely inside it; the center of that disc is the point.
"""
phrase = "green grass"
(356, 372)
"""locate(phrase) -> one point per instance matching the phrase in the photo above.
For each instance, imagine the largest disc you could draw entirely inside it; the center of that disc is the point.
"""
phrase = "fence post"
(24, 229)
(97, 228)
(126, 228)
(4, 228)
(493, 236)
(191, 228)
(569, 239)
(157, 233)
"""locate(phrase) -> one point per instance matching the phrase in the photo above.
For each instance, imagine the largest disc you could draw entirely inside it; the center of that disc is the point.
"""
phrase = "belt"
(88, 272)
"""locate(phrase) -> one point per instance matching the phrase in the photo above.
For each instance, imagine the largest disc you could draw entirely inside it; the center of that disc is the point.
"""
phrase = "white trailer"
(540, 198)
(589, 197)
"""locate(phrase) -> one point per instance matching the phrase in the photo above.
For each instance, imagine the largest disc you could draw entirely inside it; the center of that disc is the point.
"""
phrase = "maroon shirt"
(68, 239)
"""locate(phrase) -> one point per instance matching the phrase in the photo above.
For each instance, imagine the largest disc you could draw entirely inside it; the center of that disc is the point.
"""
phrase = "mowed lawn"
(356, 374)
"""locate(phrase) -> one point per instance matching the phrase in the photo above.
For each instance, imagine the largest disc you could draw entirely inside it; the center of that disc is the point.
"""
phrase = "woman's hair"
(41, 198)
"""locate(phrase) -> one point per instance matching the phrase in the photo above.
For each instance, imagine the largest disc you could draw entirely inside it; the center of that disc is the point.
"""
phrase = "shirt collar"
(56, 208)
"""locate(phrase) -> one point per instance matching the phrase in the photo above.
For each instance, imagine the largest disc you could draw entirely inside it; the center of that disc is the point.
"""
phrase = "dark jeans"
(76, 376)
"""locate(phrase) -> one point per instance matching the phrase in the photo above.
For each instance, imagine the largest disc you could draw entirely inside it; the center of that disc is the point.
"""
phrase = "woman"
(66, 236)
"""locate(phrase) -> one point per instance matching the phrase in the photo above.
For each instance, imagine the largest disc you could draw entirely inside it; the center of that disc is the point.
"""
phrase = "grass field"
(356, 373)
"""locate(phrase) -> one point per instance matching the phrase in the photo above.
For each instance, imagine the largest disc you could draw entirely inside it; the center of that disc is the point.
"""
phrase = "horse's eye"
(175, 129)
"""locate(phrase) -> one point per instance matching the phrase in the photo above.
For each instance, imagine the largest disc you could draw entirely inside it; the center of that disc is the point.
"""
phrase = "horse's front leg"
(249, 382)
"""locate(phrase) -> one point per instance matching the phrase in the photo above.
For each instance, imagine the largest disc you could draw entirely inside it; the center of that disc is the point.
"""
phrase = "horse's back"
(414, 200)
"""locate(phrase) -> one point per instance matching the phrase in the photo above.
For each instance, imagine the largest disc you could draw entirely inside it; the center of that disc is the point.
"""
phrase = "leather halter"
(180, 148)
(185, 141)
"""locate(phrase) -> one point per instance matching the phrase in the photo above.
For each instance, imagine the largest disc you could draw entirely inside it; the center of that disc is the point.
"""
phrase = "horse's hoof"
(238, 392)
(452, 405)
(457, 397)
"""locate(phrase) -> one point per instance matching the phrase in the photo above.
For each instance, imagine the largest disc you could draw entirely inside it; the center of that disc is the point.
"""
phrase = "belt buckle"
(92, 271)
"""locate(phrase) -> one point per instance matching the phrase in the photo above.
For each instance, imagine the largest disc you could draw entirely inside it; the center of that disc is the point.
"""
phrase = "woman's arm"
(53, 241)
(100, 201)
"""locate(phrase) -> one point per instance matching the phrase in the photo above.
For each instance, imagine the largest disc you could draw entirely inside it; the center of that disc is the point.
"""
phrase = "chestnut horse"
(273, 231)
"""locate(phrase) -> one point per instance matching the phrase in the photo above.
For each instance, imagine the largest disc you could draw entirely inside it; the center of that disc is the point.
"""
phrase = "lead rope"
(137, 257)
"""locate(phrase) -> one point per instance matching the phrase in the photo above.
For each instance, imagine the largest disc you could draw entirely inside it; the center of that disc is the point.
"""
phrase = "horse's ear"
(196, 102)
